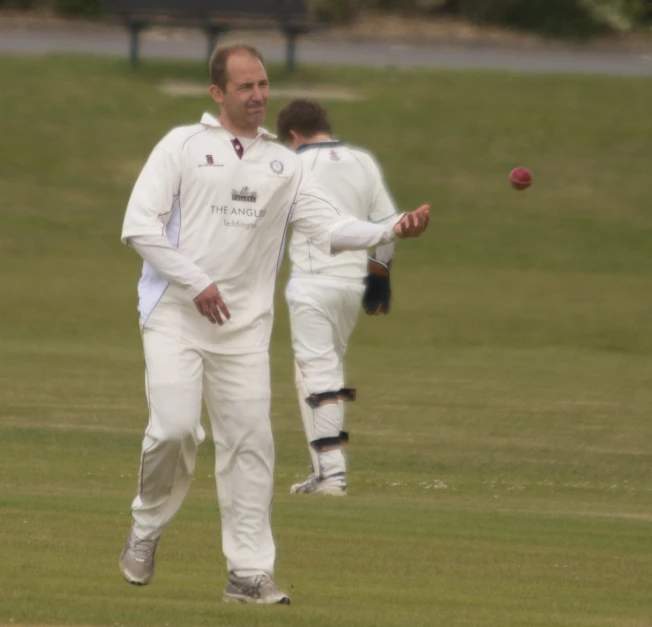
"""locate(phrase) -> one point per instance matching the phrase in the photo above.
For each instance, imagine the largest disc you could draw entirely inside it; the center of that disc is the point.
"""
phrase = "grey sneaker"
(259, 589)
(137, 560)
(334, 485)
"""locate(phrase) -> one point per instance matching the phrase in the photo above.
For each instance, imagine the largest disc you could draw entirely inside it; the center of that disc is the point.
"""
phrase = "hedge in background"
(555, 18)
(571, 19)
(17, 4)
(90, 8)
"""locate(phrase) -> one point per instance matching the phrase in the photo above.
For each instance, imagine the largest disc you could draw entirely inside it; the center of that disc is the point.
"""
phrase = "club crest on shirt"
(210, 162)
(334, 156)
(277, 167)
(244, 195)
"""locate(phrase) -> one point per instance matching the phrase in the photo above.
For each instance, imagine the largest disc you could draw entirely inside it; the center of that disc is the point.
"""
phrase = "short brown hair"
(304, 116)
(221, 54)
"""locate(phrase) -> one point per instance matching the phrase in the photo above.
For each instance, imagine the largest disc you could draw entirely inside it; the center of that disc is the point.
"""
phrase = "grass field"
(501, 465)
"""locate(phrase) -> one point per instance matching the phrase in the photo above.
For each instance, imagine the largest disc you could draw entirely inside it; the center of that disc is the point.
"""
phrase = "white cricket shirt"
(200, 214)
(353, 181)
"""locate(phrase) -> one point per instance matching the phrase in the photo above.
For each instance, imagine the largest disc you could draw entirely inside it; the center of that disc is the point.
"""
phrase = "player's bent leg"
(174, 387)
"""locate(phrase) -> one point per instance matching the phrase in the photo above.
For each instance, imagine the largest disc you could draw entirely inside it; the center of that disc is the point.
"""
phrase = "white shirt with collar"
(198, 214)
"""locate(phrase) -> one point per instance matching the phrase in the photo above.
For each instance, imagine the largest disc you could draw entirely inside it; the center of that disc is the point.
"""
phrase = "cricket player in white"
(208, 214)
(325, 291)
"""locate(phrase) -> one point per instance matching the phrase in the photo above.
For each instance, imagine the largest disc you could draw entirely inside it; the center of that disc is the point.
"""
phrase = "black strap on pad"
(345, 394)
(329, 444)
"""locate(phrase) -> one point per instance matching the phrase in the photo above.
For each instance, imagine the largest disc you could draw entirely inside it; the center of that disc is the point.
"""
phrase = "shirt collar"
(209, 120)
(331, 143)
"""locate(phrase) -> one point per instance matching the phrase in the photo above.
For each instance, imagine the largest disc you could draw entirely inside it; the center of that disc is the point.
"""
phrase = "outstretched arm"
(319, 220)
(359, 235)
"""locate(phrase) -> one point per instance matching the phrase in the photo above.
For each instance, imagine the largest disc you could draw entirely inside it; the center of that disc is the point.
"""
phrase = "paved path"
(112, 40)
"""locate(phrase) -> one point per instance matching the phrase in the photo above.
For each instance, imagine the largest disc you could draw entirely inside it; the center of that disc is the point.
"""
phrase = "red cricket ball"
(520, 178)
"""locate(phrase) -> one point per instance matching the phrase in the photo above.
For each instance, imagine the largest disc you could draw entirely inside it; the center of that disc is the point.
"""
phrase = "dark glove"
(378, 294)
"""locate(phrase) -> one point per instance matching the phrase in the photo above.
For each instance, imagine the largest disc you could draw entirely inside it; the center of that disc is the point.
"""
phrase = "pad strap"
(345, 394)
(330, 444)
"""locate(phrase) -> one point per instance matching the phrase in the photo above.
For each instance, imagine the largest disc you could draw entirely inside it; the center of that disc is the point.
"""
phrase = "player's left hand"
(413, 223)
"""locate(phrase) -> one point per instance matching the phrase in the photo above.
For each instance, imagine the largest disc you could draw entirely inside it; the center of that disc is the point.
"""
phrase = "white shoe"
(258, 589)
(335, 485)
(137, 560)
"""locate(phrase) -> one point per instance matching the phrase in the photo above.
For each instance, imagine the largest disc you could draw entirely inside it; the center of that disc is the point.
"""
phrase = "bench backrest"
(269, 9)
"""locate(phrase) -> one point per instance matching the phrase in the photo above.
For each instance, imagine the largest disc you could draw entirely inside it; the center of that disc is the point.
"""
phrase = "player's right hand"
(413, 223)
(210, 305)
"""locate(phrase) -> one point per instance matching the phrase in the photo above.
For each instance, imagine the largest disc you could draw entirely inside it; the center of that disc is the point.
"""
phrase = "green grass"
(501, 472)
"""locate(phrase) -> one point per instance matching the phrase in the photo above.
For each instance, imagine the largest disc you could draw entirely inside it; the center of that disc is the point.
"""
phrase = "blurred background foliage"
(570, 19)
(554, 18)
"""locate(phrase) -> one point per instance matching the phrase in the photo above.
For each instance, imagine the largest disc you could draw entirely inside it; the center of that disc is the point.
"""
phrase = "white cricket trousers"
(236, 391)
(323, 313)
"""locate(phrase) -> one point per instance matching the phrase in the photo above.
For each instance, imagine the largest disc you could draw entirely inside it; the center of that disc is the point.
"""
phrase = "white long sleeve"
(171, 264)
(359, 235)
(385, 252)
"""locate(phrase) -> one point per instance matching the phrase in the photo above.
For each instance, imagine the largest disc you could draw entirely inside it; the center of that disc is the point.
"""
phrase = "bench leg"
(134, 43)
(213, 33)
(290, 49)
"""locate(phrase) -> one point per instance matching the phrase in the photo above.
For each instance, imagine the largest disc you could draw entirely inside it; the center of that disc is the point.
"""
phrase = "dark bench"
(215, 17)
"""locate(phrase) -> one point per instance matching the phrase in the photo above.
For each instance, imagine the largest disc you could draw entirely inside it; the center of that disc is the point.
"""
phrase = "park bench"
(214, 17)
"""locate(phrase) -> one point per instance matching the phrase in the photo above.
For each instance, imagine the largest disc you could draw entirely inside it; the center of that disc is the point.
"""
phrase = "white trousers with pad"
(323, 313)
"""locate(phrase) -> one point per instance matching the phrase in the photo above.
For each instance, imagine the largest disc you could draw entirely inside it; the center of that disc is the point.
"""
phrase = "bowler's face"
(247, 92)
